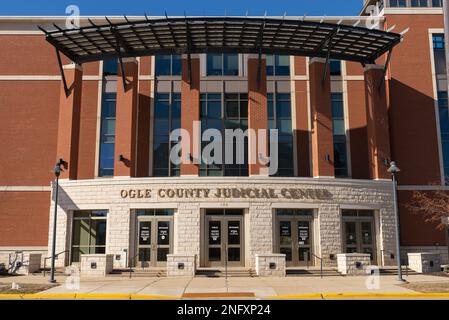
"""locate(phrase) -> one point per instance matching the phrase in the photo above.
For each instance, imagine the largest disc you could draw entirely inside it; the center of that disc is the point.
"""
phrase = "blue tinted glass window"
(335, 67)
(214, 64)
(444, 130)
(398, 3)
(231, 64)
(232, 113)
(277, 65)
(167, 117)
(419, 3)
(176, 65)
(279, 118)
(339, 132)
(168, 65)
(107, 136)
(110, 67)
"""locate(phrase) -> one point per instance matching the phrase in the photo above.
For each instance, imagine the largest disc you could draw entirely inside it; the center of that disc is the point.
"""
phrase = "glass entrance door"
(359, 232)
(295, 236)
(224, 241)
(154, 241)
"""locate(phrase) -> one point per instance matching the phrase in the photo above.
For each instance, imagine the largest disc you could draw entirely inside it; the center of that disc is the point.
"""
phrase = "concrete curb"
(392, 295)
(84, 296)
(315, 296)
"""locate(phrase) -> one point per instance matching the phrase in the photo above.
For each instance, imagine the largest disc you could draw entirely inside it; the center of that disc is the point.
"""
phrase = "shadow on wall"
(414, 135)
(143, 133)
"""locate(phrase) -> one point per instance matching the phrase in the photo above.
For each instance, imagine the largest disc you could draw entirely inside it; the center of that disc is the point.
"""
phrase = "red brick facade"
(39, 124)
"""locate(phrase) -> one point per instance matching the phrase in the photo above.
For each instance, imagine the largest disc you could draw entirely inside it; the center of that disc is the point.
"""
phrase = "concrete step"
(312, 272)
(142, 273)
(394, 271)
(58, 271)
(220, 273)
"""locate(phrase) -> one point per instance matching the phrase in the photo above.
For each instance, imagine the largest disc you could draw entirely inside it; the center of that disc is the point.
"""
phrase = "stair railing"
(56, 256)
(321, 263)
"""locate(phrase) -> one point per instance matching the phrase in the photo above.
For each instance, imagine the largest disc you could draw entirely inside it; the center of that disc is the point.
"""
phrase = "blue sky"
(177, 7)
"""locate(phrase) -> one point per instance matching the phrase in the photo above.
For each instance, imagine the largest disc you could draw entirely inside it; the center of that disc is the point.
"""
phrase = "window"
(107, 138)
(168, 65)
(233, 116)
(110, 67)
(419, 3)
(444, 130)
(154, 212)
(338, 124)
(398, 3)
(437, 3)
(167, 117)
(439, 54)
(278, 65)
(279, 117)
(335, 67)
(222, 64)
(88, 233)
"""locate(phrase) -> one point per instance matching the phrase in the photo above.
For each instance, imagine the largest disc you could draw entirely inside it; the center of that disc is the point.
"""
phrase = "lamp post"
(394, 170)
(57, 171)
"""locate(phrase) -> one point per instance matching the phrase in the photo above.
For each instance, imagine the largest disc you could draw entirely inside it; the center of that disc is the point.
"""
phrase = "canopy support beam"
(328, 41)
(387, 63)
(61, 69)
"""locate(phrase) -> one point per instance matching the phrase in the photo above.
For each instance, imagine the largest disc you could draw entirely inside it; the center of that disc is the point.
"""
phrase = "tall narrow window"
(232, 114)
(335, 67)
(444, 130)
(339, 133)
(222, 64)
(167, 117)
(88, 233)
(108, 110)
(278, 65)
(280, 118)
(168, 65)
(440, 73)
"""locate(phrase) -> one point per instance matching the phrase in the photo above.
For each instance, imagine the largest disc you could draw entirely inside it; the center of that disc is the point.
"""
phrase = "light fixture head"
(57, 170)
(393, 168)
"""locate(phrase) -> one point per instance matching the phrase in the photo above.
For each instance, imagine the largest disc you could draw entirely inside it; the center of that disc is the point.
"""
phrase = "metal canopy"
(190, 35)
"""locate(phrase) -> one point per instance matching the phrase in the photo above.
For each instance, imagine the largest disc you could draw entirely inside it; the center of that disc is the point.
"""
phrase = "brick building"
(339, 124)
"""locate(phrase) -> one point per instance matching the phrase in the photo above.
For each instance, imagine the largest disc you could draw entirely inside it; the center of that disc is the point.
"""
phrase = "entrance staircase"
(139, 273)
(312, 272)
(221, 273)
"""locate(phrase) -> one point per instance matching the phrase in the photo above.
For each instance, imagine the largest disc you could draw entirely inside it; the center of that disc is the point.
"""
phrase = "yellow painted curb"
(48, 296)
(151, 297)
(298, 296)
(385, 295)
(10, 296)
(104, 296)
(86, 296)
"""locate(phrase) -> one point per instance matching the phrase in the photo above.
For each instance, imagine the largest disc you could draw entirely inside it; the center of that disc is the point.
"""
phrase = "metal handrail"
(131, 268)
(56, 255)
(406, 265)
(321, 263)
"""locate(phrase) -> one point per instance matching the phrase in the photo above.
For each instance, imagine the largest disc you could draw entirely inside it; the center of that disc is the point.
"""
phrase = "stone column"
(377, 122)
(69, 120)
(126, 120)
(190, 113)
(257, 113)
(321, 113)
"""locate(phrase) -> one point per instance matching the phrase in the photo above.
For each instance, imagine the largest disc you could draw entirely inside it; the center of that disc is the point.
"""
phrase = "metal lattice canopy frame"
(190, 35)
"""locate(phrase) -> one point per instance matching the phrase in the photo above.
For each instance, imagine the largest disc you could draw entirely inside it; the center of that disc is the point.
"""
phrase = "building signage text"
(235, 193)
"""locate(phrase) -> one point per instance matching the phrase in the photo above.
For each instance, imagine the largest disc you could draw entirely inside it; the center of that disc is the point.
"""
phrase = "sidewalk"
(258, 288)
